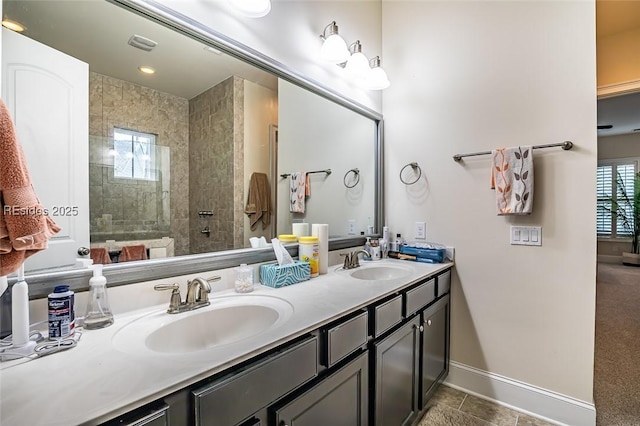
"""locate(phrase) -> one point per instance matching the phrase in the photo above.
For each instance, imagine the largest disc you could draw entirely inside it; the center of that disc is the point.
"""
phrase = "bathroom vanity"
(367, 346)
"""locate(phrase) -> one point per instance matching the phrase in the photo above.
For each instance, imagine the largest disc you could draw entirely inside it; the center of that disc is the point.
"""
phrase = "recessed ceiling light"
(146, 70)
(13, 25)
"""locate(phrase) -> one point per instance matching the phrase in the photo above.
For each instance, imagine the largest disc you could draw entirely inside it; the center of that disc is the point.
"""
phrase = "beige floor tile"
(489, 411)
(524, 420)
(448, 396)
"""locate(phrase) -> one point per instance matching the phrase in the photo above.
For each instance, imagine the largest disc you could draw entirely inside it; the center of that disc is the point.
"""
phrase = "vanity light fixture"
(13, 25)
(146, 69)
(357, 65)
(252, 8)
(334, 49)
(377, 78)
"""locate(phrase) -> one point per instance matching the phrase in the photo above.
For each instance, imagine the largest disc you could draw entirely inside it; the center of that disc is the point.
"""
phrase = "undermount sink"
(380, 273)
(229, 319)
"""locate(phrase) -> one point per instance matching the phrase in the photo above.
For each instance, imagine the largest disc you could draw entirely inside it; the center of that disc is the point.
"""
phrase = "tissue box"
(276, 276)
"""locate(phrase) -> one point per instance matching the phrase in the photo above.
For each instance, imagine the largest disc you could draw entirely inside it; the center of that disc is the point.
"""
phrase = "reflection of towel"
(100, 255)
(512, 177)
(130, 253)
(25, 227)
(298, 187)
(259, 200)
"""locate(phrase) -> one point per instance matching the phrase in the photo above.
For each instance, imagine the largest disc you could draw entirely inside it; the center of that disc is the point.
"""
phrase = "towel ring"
(356, 173)
(414, 166)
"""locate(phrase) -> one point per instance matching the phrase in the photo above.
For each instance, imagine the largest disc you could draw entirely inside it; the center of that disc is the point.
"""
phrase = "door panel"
(47, 93)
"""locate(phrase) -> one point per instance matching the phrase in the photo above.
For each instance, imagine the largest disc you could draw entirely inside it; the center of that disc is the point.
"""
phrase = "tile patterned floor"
(486, 412)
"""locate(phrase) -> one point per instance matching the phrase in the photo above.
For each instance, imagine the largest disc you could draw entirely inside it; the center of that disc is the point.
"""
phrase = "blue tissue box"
(433, 254)
(276, 276)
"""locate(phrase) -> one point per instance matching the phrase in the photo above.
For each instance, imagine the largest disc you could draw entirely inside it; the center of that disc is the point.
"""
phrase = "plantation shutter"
(626, 173)
(605, 190)
(608, 189)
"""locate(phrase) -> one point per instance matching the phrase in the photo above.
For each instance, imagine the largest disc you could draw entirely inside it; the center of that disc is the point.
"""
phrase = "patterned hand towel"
(25, 227)
(298, 188)
(512, 178)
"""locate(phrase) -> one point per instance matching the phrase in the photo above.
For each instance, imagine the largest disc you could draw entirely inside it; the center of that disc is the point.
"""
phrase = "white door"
(47, 93)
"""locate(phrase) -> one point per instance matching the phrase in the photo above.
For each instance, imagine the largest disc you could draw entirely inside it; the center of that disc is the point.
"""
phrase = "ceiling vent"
(142, 43)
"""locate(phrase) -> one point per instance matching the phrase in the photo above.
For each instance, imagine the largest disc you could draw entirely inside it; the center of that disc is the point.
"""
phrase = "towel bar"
(566, 145)
(327, 171)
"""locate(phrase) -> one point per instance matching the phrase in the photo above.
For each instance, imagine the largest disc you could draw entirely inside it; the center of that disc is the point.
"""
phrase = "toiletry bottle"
(399, 242)
(367, 248)
(385, 241)
(99, 313)
(375, 250)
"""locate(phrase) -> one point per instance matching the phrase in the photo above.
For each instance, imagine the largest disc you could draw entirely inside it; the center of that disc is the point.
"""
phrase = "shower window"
(134, 155)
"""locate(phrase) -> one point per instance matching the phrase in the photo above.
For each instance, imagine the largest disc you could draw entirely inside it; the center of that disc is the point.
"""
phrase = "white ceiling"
(97, 32)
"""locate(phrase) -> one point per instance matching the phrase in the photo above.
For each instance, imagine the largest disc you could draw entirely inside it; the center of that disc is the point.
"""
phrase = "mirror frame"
(133, 272)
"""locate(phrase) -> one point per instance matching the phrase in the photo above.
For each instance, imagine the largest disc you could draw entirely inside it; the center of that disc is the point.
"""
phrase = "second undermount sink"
(382, 272)
(226, 321)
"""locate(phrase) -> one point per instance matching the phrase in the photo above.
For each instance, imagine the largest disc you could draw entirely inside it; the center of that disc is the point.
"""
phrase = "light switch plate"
(420, 230)
(351, 227)
(526, 235)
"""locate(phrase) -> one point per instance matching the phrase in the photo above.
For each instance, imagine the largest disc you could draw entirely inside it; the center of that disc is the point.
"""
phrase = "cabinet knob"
(421, 328)
(429, 322)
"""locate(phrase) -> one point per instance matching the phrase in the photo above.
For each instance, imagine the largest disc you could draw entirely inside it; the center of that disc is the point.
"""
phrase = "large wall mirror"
(171, 155)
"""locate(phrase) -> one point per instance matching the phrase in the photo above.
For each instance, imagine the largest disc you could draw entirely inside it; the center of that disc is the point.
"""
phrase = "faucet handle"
(347, 260)
(354, 259)
(176, 299)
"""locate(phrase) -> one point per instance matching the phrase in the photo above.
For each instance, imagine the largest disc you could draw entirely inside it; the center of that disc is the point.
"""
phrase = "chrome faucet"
(351, 259)
(197, 294)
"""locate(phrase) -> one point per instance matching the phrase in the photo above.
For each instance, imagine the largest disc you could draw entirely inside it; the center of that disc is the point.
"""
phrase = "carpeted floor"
(617, 346)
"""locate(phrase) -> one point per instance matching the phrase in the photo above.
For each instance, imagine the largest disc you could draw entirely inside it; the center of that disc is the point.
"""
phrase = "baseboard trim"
(532, 400)
(609, 258)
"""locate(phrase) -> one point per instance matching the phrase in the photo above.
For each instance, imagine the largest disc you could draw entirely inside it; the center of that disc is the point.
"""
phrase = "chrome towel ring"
(415, 167)
(356, 175)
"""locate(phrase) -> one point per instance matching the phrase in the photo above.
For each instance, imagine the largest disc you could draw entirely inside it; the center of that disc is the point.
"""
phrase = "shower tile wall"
(117, 103)
(216, 152)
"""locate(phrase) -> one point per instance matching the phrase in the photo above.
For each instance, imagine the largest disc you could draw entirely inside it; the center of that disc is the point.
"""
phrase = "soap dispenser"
(99, 313)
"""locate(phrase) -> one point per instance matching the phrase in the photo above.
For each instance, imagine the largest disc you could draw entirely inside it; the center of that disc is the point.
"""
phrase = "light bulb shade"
(357, 65)
(376, 79)
(334, 49)
(252, 8)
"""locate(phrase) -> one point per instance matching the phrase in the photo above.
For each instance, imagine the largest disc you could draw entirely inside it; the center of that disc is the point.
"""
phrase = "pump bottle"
(99, 313)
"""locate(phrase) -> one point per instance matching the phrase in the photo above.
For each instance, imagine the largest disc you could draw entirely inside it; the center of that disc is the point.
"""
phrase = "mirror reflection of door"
(46, 92)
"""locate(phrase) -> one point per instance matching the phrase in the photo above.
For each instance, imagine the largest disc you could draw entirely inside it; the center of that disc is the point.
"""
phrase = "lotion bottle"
(99, 313)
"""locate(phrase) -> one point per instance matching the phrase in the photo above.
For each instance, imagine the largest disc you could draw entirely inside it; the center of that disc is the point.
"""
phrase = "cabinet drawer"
(387, 314)
(346, 337)
(444, 283)
(232, 399)
(419, 297)
(157, 416)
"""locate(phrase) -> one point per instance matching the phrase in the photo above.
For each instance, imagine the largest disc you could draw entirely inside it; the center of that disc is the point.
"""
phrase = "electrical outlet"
(420, 230)
(351, 227)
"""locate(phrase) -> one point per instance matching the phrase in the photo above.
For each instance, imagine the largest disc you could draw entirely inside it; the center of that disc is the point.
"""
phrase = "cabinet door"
(396, 389)
(435, 346)
(338, 400)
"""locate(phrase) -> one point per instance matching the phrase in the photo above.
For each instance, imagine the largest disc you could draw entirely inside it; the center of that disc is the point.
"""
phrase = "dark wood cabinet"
(434, 329)
(396, 375)
(340, 399)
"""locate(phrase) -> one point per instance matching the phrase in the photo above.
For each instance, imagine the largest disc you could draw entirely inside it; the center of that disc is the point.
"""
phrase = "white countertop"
(95, 381)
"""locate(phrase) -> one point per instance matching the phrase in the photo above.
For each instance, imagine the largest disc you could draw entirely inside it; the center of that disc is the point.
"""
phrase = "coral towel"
(130, 253)
(298, 187)
(512, 178)
(100, 255)
(25, 227)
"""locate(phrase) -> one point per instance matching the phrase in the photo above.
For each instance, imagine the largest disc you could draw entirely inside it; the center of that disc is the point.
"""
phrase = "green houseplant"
(626, 208)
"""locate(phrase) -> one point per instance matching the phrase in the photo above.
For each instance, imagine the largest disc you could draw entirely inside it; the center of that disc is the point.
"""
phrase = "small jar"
(309, 251)
(243, 279)
(287, 238)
